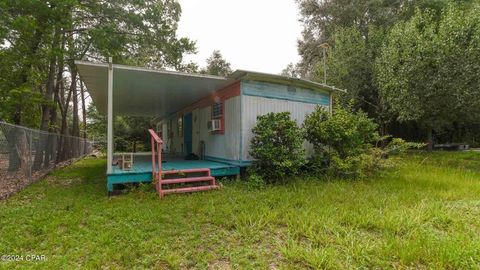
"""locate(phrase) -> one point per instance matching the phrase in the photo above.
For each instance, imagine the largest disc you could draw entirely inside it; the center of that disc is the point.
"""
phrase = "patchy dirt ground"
(12, 182)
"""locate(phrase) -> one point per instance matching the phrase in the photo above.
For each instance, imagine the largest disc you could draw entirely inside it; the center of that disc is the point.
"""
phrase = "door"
(187, 132)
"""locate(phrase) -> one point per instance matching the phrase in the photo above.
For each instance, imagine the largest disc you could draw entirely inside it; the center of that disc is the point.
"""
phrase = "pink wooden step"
(186, 180)
(188, 189)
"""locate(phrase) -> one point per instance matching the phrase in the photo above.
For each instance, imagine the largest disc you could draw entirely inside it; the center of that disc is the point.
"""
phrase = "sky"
(256, 35)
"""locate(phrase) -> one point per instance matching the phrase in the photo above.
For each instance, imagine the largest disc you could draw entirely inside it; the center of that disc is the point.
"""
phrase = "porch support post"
(110, 117)
(330, 107)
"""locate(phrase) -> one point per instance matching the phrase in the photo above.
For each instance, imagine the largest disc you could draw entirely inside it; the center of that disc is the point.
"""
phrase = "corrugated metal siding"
(226, 146)
(253, 106)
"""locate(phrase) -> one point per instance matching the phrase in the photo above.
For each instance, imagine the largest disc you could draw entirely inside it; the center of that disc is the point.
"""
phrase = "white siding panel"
(175, 142)
(253, 106)
(226, 146)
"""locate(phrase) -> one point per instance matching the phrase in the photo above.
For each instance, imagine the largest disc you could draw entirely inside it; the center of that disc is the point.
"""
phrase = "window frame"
(220, 117)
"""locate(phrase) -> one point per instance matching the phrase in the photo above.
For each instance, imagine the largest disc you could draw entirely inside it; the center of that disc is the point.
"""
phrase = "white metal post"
(330, 107)
(110, 117)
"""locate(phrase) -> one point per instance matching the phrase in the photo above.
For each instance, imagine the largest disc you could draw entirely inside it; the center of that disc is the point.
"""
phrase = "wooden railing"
(156, 156)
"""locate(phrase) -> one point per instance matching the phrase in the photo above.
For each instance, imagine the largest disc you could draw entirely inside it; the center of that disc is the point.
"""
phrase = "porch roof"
(146, 92)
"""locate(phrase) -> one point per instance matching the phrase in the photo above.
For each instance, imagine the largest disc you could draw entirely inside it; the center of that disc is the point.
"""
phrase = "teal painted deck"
(142, 169)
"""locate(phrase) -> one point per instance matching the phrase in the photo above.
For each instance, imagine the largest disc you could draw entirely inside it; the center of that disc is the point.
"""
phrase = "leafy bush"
(277, 147)
(399, 146)
(343, 142)
(345, 132)
(255, 182)
(357, 166)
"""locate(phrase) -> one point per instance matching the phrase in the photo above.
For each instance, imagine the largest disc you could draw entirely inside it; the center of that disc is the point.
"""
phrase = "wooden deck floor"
(142, 169)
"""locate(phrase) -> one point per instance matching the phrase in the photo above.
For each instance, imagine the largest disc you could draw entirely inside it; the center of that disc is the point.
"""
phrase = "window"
(180, 126)
(217, 110)
(217, 114)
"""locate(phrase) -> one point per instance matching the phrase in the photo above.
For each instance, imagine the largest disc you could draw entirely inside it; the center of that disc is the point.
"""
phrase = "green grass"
(425, 213)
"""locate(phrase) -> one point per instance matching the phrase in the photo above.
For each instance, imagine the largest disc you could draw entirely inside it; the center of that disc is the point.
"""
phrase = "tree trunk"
(23, 152)
(63, 142)
(430, 139)
(84, 118)
(75, 121)
(53, 127)
(46, 108)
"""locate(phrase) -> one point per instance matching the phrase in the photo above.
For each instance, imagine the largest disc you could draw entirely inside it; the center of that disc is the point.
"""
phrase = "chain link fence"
(28, 154)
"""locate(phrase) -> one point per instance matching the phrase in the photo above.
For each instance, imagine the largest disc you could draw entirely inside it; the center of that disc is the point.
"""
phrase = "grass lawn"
(425, 213)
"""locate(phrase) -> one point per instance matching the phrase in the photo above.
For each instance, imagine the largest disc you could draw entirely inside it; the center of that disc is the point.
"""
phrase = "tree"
(290, 71)
(39, 41)
(216, 65)
(322, 18)
(429, 69)
(355, 31)
(350, 66)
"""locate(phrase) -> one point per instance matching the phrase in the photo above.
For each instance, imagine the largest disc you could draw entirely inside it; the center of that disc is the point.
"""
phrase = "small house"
(206, 117)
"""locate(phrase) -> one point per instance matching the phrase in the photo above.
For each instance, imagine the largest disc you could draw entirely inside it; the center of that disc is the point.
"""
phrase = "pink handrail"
(157, 174)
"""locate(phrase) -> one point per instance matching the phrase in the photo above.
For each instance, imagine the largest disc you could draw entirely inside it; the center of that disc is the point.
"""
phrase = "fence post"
(30, 155)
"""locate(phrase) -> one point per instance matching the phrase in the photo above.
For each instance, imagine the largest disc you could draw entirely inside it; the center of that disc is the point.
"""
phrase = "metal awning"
(146, 92)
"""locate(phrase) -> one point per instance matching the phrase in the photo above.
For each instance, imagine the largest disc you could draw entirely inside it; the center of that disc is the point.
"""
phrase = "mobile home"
(206, 117)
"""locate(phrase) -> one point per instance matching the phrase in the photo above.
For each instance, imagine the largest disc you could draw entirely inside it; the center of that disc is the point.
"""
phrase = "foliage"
(399, 146)
(255, 182)
(217, 66)
(360, 166)
(429, 68)
(290, 71)
(322, 19)
(350, 66)
(345, 132)
(342, 142)
(356, 31)
(277, 147)
(130, 132)
(431, 198)
(40, 39)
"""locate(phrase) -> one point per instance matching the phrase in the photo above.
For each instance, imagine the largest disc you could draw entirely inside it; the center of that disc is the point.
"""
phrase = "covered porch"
(119, 90)
(142, 168)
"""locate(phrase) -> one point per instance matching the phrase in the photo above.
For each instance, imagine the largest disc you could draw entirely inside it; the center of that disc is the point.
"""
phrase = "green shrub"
(358, 166)
(399, 146)
(345, 132)
(255, 182)
(343, 143)
(277, 147)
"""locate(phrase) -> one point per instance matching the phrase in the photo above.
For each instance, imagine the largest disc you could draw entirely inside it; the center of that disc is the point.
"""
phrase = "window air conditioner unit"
(214, 125)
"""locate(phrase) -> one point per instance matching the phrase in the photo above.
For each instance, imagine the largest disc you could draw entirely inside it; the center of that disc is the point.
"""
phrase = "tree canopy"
(217, 65)
(429, 69)
(378, 49)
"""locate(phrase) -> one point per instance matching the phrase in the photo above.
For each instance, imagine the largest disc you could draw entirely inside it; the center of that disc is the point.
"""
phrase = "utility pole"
(324, 47)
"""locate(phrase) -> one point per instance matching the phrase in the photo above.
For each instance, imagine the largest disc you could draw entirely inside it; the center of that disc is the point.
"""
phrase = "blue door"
(187, 132)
